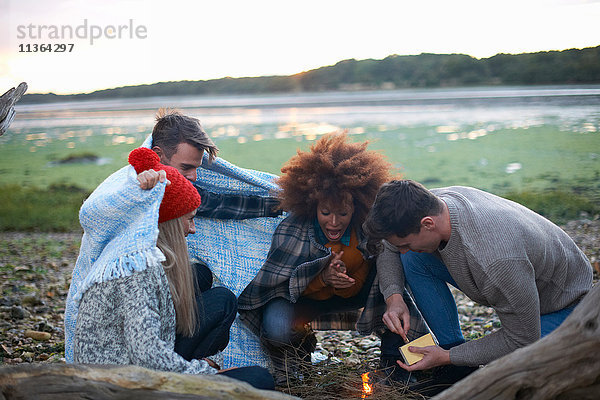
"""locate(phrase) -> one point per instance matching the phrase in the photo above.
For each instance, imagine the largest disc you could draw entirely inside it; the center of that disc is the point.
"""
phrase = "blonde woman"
(132, 310)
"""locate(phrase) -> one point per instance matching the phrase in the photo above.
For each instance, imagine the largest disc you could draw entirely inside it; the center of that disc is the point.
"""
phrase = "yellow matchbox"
(411, 358)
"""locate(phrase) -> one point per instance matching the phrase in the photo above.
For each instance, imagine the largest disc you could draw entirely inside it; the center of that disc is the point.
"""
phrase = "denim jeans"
(258, 377)
(203, 275)
(427, 276)
(217, 310)
(283, 321)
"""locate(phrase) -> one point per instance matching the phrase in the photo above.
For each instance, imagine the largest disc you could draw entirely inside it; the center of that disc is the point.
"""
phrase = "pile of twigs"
(328, 380)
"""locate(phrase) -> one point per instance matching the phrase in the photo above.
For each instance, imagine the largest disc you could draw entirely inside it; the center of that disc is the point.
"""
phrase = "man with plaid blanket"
(235, 224)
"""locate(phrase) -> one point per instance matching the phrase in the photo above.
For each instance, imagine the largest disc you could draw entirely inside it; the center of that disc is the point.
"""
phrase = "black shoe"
(441, 379)
(391, 373)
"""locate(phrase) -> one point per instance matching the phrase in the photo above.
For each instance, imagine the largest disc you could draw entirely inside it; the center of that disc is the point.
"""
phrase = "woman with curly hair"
(318, 264)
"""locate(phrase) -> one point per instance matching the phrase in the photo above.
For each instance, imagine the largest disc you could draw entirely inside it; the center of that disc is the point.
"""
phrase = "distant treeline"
(572, 66)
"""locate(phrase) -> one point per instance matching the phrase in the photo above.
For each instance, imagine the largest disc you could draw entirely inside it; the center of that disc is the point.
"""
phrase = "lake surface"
(398, 107)
(497, 138)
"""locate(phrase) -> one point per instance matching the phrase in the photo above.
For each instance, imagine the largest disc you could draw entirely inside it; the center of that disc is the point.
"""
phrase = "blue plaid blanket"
(234, 250)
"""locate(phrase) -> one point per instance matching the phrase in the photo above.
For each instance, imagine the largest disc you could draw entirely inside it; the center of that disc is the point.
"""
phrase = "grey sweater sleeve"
(389, 269)
(518, 307)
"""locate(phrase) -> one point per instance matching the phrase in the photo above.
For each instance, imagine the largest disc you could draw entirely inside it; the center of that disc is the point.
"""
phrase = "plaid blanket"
(235, 250)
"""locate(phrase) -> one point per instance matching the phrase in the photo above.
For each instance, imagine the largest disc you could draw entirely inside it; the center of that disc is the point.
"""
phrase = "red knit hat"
(180, 197)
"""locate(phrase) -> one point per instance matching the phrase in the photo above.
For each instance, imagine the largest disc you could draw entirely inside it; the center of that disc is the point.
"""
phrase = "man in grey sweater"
(499, 253)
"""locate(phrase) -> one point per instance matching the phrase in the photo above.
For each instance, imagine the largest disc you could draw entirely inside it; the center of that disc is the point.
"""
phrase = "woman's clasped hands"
(334, 274)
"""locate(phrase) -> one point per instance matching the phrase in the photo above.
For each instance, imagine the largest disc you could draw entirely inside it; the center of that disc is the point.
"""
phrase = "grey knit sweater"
(505, 256)
(131, 321)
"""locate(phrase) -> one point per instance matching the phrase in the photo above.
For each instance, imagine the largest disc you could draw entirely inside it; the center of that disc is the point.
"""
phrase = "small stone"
(44, 309)
(56, 358)
(37, 335)
(44, 326)
(8, 301)
(367, 343)
(317, 357)
(352, 360)
(18, 312)
(31, 300)
(345, 335)
(322, 350)
(7, 350)
(375, 351)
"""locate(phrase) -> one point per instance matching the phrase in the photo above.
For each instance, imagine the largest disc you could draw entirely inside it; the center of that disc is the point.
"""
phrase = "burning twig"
(367, 389)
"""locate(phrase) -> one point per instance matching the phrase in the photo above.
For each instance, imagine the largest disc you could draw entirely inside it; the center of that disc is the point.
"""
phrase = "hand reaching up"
(149, 178)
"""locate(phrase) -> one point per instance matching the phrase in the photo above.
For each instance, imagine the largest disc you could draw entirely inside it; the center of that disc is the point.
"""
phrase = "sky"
(112, 43)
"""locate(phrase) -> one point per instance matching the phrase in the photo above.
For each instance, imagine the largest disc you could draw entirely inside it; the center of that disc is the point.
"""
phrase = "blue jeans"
(258, 377)
(219, 307)
(283, 321)
(427, 276)
(203, 275)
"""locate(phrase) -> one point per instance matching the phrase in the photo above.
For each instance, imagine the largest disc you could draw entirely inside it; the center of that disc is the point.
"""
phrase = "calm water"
(499, 138)
(575, 106)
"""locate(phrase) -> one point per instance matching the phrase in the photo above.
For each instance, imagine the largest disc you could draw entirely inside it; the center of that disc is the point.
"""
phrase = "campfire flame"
(367, 389)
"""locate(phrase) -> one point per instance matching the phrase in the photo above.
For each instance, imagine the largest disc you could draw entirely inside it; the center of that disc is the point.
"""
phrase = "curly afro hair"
(333, 169)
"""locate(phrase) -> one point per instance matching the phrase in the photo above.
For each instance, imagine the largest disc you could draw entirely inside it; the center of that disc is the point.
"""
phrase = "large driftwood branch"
(563, 365)
(76, 381)
(7, 102)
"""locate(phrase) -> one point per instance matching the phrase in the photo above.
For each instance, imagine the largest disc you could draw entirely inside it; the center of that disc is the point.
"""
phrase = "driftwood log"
(7, 103)
(76, 381)
(563, 365)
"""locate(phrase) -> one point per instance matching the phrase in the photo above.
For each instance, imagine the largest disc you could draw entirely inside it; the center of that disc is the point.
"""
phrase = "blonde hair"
(171, 241)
